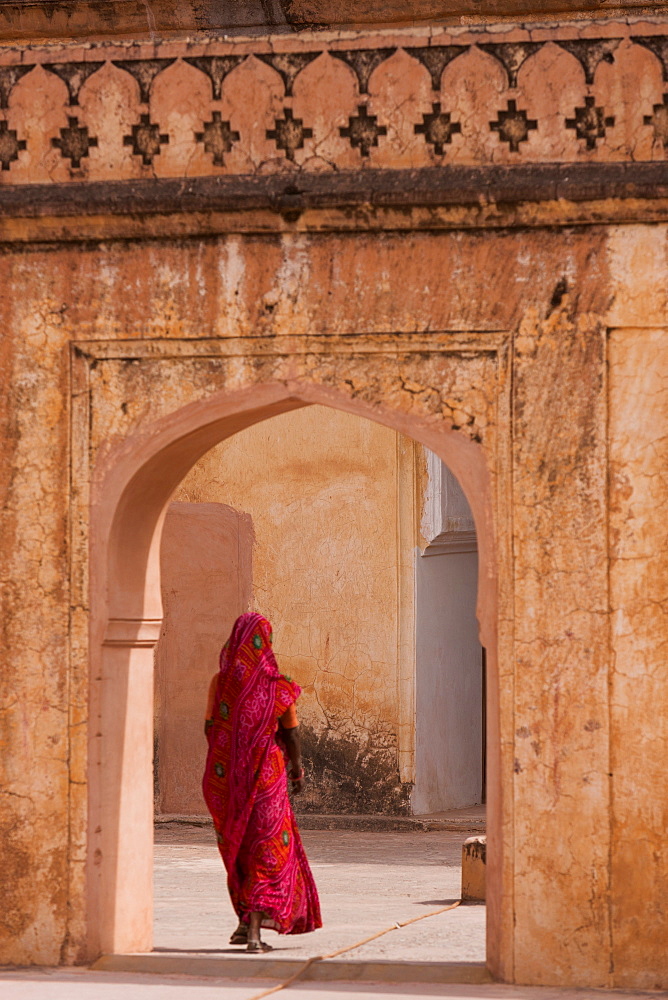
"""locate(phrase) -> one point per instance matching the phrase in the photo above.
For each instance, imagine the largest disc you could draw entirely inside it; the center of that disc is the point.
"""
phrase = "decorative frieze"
(113, 112)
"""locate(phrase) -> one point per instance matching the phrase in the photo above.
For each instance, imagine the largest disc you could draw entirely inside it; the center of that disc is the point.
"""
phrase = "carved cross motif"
(590, 122)
(659, 119)
(218, 138)
(513, 126)
(74, 142)
(146, 140)
(289, 133)
(10, 145)
(363, 130)
(437, 129)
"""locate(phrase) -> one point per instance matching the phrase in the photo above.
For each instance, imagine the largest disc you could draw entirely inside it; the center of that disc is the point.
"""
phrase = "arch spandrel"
(166, 412)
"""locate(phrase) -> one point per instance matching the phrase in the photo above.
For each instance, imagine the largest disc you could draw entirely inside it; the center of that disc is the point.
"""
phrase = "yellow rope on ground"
(350, 947)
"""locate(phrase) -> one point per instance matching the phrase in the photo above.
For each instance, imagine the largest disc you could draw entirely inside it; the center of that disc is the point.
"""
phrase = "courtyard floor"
(366, 881)
(59, 984)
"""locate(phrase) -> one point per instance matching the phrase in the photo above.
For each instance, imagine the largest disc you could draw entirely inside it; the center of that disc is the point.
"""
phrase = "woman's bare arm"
(293, 748)
(210, 706)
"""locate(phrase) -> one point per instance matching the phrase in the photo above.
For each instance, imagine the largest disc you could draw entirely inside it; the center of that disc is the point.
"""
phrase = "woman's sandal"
(256, 947)
(240, 935)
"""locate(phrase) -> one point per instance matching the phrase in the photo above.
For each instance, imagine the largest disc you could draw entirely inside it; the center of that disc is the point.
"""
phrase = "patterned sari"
(245, 786)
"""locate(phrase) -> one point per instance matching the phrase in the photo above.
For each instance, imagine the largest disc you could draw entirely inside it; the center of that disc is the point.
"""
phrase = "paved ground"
(366, 881)
(80, 985)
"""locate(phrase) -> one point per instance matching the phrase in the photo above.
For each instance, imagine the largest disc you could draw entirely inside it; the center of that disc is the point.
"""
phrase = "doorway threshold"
(279, 969)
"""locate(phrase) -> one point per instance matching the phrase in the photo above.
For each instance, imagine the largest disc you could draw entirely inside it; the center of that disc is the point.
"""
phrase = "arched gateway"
(131, 488)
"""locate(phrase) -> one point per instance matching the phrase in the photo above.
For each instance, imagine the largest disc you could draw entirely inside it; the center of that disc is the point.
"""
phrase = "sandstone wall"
(320, 488)
(581, 720)
(79, 19)
(508, 311)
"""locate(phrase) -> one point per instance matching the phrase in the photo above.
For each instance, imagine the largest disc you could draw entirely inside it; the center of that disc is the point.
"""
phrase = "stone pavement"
(58, 984)
(366, 881)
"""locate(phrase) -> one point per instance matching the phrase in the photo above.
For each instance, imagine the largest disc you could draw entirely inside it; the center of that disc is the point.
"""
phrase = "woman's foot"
(240, 936)
(257, 947)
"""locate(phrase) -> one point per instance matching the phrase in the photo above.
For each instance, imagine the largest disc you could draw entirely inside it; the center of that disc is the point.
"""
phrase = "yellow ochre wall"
(321, 488)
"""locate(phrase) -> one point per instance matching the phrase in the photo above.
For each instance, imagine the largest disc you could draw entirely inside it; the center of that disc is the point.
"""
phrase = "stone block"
(474, 863)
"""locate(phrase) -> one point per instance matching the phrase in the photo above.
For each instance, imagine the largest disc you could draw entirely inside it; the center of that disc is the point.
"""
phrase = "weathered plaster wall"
(582, 686)
(492, 346)
(562, 725)
(40, 706)
(638, 593)
(321, 489)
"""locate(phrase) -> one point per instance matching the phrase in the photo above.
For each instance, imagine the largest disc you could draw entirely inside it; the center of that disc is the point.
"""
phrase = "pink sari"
(245, 786)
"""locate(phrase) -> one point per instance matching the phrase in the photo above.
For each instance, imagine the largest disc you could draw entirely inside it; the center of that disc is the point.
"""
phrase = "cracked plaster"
(560, 662)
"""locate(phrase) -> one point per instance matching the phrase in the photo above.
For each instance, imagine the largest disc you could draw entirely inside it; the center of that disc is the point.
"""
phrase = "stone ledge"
(431, 187)
(360, 822)
(280, 969)
(58, 20)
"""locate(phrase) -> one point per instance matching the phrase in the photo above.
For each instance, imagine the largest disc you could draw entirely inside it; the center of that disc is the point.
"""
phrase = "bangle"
(298, 776)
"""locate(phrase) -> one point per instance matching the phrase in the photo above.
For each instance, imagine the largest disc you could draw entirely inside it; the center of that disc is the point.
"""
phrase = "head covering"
(250, 644)
(251, 693)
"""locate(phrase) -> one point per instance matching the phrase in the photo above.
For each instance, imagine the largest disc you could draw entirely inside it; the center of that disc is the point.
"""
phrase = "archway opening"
(359, 545)
(137, 485)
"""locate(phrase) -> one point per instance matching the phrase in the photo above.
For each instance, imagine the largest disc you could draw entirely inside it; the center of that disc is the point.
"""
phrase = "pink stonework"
(206, 576)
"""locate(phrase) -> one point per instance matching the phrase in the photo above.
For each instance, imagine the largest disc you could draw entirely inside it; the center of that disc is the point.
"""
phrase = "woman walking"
(252, 731)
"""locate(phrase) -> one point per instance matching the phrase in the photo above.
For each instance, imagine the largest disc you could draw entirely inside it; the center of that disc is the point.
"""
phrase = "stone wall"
(55, 19)
(507, 311)
(320, 488)
(565, 731)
